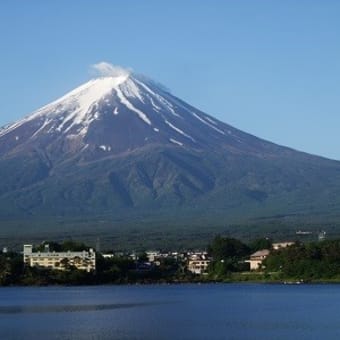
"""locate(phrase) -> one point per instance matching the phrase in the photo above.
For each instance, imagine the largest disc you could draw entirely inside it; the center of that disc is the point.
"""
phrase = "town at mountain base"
(225, 260)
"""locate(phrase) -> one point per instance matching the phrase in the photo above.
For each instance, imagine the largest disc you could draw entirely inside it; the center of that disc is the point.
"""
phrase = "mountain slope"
(123, 146)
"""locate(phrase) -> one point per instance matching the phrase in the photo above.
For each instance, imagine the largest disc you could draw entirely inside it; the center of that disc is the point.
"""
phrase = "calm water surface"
(216, 311)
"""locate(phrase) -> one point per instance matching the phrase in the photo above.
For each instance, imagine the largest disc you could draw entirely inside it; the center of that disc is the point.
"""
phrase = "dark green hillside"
(168, 194)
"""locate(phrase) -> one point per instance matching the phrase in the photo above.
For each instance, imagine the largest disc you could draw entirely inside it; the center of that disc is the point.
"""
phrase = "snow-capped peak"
(77, 103)
(117, 109)
(87, 94)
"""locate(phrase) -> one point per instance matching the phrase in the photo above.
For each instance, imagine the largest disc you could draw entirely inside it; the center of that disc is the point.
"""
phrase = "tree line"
(314, 261)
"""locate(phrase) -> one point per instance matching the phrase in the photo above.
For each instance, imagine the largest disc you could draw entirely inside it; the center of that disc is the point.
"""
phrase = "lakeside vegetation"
(301, 262)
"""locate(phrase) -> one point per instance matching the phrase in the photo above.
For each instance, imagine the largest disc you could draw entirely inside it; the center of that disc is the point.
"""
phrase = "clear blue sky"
(271, 68)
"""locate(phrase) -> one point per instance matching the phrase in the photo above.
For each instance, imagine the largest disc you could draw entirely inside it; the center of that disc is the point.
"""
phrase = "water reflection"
(186, 312)
(71, 308)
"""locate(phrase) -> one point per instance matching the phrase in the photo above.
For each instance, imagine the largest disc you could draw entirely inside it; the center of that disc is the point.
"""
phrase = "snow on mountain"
(121, 111)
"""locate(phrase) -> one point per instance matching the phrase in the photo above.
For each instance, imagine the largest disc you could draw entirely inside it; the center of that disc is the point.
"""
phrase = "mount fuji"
(121, 147)
(113, 115)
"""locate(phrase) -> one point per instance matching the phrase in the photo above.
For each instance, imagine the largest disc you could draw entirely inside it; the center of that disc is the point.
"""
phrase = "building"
(277, 246)
(322, 235)
(257, 258)
(153, 255)
(198, 262)
(199, 266)
(83, 260)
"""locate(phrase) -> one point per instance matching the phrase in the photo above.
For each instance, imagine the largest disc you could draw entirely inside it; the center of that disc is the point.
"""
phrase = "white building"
(198, 262)
(83, 260)
(198, 266)
(277, 246)
(257, 258)
(153, 255)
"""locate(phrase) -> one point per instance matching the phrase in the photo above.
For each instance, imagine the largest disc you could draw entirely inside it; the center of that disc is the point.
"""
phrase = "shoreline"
(198, 282)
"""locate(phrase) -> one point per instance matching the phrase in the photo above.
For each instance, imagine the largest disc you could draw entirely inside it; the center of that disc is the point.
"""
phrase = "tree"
(261, 243)
(142, 257)
(223, 248)
(53, 246)
(228, 255)
(65, 263)
(71, 245)
(5, 271)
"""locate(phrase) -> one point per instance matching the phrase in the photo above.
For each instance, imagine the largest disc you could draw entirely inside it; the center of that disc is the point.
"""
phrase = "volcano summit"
(121, 146)
(119, 114)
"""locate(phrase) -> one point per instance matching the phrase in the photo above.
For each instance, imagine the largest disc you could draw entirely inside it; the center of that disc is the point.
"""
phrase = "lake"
(191, 311)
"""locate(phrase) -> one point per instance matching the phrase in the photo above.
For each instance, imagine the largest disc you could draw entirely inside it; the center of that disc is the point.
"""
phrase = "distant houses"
(277, 246)
(198, 266)
(256, 259)
(195, 262)
(198, 263)
(82, 260)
